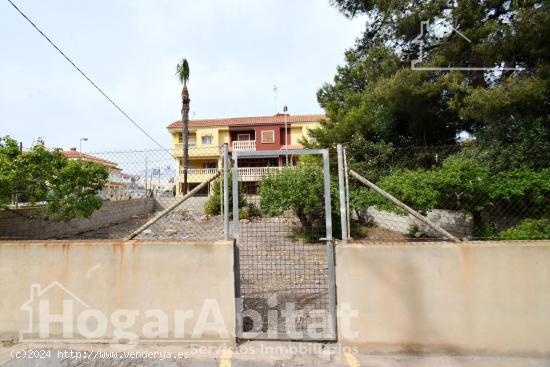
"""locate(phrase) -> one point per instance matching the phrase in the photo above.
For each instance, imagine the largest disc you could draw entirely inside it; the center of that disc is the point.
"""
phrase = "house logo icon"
(43, 313)
(425, 30)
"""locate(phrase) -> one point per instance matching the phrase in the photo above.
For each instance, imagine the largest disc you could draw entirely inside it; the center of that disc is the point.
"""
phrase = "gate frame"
(328, 235)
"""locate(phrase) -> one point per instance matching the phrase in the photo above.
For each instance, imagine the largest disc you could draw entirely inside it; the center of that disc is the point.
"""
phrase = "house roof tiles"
(73, 154)
(244, 121)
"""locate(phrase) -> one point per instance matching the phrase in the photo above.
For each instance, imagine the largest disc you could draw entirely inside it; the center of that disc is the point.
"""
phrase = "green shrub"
(463, 184)
(523, 186)
(249, 211)
(253, 210)
(300, 189)
(459, 184)
(214, 206)
(528, 229)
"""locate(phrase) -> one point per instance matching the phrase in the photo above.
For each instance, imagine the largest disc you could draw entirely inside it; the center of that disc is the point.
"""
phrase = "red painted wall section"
(279, 136)
(256, 134)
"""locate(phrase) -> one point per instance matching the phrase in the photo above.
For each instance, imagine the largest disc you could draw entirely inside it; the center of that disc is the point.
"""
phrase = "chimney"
(73, 149)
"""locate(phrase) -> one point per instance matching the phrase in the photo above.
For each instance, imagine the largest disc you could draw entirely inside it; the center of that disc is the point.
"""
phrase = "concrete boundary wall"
(187, 285)
(491, 297)
(20, 224)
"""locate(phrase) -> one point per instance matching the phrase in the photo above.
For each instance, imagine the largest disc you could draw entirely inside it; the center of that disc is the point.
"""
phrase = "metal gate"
(284, 250)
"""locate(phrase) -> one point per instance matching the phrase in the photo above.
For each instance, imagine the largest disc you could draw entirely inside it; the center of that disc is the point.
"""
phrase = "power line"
(88, 79)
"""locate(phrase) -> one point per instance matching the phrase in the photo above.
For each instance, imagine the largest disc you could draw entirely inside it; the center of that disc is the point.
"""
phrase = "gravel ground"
(187, 222)
(279, 268)
(114, 231)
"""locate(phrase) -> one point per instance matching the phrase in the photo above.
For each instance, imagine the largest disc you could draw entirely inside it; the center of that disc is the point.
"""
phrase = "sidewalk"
(256, 353)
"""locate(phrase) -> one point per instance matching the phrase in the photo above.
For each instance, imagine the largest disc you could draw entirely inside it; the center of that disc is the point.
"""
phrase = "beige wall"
(491, 297)
(299, 131)
(113, 275)
(295, 135)
(220, 136)
(223, 136)
(25, 223)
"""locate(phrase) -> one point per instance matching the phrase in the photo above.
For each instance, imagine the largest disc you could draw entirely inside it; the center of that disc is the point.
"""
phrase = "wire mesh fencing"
(127, 190)
(282, 251)
(459, 189)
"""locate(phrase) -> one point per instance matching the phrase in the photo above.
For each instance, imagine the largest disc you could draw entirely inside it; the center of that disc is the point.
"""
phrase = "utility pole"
(80, 148)
(285, 110)
(275, 97)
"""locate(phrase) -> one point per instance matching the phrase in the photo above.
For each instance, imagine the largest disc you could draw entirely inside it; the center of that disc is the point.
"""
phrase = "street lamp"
(81, 140)
(285, 110)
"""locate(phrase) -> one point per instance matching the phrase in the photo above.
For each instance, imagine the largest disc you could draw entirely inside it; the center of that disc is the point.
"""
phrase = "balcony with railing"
(245, 173)
(196, 175)
(244, 145)
(256, 172)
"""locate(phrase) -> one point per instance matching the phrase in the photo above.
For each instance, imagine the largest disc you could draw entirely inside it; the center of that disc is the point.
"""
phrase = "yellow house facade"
(206, 137)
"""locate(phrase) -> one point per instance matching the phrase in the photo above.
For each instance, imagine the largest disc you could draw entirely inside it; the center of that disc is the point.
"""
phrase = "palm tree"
(182, 71)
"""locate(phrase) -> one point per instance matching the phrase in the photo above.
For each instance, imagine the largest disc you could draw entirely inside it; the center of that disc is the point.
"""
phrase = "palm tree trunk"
(185, 134)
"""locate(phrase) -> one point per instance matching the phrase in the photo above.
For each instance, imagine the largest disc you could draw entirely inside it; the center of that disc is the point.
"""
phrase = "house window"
(211, 165)
(241, 137)
(206, 139)
(268, 136)
(190, 140)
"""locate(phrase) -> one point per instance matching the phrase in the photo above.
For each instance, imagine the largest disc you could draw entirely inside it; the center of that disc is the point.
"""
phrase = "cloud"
(237, 51)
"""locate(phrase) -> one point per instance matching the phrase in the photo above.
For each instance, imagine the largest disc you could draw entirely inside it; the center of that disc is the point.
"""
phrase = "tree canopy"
(377, 95)
(467, 139)
(64, 189)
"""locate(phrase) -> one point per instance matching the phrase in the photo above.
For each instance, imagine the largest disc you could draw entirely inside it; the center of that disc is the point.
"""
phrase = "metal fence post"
(330, 246)
(341, 187)
(235, 196)
(346, 176)
(225, 192)
(328, 213)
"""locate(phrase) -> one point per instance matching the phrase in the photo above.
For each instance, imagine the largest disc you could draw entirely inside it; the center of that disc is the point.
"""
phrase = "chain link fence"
(139, 185)
(465, 190)
(460, 189)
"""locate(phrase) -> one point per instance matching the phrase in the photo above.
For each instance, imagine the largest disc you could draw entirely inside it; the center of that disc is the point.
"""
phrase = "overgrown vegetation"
(465, 185)
(476, 142)
(64, 189)
(214, 204)
(528, 229)
(299, 189)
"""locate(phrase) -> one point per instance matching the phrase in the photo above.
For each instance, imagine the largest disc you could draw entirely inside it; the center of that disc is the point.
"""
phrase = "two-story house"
(115, 189)
(206, 136)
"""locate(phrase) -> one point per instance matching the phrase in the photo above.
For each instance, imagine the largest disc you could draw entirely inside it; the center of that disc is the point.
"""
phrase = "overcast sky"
(237, 50)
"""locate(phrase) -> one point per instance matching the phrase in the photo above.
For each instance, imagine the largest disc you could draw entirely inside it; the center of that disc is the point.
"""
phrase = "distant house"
(241, 134)
(116, 188)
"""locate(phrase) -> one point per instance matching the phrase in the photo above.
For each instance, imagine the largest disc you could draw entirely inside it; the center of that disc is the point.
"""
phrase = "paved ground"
(257, 354)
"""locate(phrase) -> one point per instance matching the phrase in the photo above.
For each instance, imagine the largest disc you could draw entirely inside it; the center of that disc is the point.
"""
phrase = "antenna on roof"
(275, 97)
